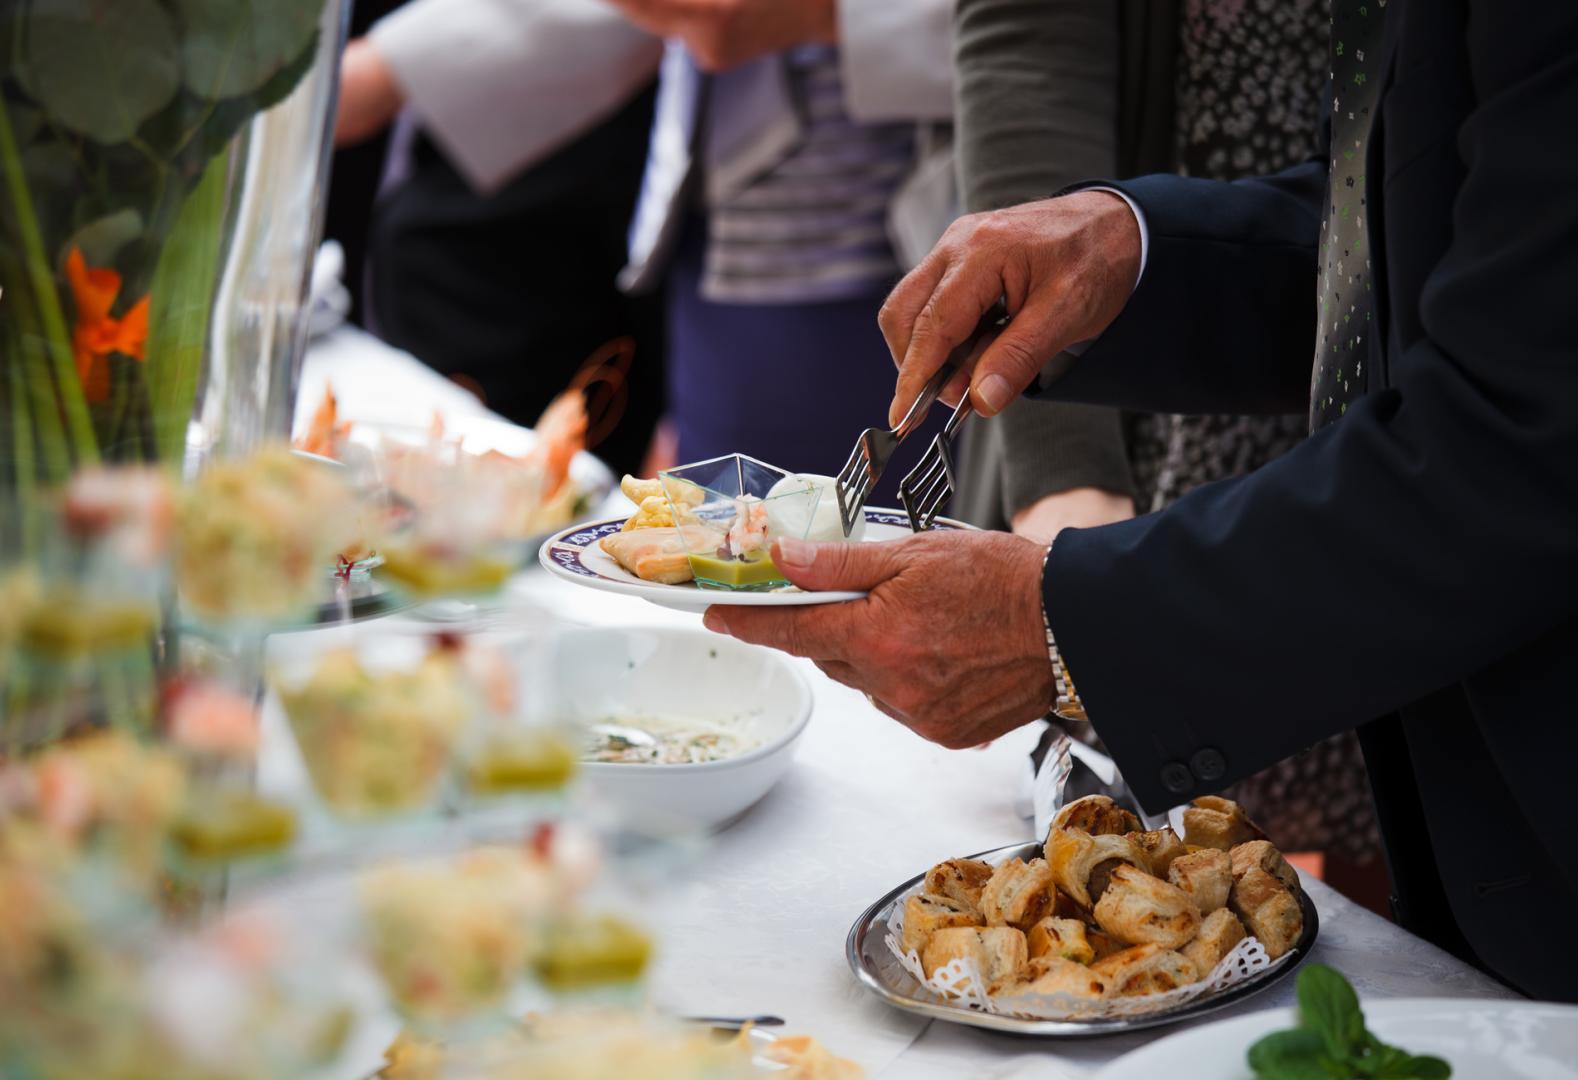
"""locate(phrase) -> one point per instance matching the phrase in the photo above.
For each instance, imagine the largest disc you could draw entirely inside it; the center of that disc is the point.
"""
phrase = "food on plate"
(451, 937)
(1018, 894)
(1105, 915)
(1056, 975)
(660, 555)
(229, 822)
(1141, 909)
(325, 431)
(582, 952)
(1260, 853)
(521, 761)
(1162, 845)
(1216, 822)
(1331, 1039)
(925, 915)
(803, 1058)
(1064, 938)
(1206, 875)
(377, 740)
(998, 951)
(654, 507)
(1082, 864)
(253, 536)
(668, 741)
(1096, 814)
(960, 880)
(1270, 909)
(1141, 970)
(811, 519)
(1219, 933)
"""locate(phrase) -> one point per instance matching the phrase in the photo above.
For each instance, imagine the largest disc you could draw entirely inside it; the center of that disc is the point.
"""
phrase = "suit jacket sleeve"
(1422, 537)
(896, 59)
(502, 84)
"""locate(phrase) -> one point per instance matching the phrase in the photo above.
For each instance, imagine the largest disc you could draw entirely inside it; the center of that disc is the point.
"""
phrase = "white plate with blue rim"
(576, 555)
(1481, 1040)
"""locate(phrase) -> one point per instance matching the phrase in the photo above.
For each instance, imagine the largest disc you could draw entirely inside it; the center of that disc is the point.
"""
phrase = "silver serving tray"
(880, 972)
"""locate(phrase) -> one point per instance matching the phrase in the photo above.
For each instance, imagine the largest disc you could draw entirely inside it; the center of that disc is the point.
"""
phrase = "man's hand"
(1065, 266)
(369, 95)
(726, 33)
(1076, 508)
(949, 642)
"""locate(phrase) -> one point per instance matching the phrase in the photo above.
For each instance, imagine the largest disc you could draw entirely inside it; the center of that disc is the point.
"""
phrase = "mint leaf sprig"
(1331, 1041)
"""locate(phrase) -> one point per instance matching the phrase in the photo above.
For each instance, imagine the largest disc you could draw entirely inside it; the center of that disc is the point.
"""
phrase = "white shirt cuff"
(1079, 347)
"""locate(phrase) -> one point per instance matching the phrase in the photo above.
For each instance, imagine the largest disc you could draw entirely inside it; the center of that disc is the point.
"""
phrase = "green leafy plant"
(1331, 1041)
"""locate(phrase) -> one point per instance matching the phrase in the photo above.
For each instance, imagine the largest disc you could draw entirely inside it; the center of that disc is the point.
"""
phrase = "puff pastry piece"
(1080, 861)
(960, 880)
(1215, 822)
(1142, 909)
(1270, 910)
(1145, 969)
(1260, 853)
(1103, 944)
(998, 951)
(1063, 938)
(660, 555)
(1054, 975)
(925, 915)
(1219, 933)
(1097, 815)
(1206, 875)
(1018, 894)
(1162, 845)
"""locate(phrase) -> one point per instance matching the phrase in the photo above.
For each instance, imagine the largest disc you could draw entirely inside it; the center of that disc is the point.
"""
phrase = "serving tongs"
(931, 483)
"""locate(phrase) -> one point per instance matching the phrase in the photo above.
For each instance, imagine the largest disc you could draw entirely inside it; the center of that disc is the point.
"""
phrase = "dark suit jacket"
(1420, 556)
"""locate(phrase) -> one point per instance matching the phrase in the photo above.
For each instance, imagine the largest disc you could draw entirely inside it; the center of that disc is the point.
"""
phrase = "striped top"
(813, 226)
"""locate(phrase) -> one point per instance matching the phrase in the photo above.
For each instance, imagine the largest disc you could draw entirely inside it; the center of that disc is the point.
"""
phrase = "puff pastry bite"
(659, 554)
(998, 951)
(1065, 938)
(1103, 944)
(1219, 933)
(1269, 909)
(1145, 969)
(1215, 822)
(960, 880)
(1141, 909)
(1054, 975)
(1260, 853)
(1082, 864)
(1096, 814)
(1162, 845)
(1206, 875)
(925, 915)
(1018, 894)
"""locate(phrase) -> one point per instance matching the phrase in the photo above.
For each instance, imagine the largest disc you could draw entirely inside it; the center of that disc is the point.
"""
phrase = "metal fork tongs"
(931, 483)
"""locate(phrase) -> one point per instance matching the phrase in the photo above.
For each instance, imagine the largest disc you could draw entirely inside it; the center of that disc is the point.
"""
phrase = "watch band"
(1068, 705)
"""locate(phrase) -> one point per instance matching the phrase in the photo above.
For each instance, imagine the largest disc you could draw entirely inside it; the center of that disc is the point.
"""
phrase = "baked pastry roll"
(1053, 975)
(1215, 822)
(1140, 909)
(1103, 944)
(1260, 853)
(1096, 814)
(1162, 845)
(660, 555)
(960, 880)
(1082, 864)
(1060, 937)
(1270, 910)
(1206, 875)
(1145, 969)
(1219, 933)
(1018, 894)
(925, 915)
(998, 951)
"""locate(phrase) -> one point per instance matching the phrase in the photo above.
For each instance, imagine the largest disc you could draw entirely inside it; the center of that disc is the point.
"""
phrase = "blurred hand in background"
(370, 98)
(726, 33)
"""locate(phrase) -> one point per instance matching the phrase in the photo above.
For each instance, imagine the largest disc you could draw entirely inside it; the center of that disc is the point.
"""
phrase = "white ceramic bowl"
(601, 674)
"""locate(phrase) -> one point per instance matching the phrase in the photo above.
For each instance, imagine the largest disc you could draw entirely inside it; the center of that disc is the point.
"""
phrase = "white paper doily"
(959, 983)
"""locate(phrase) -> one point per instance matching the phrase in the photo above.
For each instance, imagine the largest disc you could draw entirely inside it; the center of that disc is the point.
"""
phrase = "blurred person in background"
(1053, 91)
(519, 133)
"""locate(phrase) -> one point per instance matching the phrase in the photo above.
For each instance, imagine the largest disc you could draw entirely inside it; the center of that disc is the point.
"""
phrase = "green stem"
(79, 424)
(22, 444)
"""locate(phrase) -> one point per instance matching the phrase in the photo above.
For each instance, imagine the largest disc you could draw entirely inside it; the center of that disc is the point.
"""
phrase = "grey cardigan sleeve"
(1036, 103)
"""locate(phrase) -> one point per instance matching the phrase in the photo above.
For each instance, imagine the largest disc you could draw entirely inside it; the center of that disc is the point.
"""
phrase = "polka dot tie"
(1343, 337)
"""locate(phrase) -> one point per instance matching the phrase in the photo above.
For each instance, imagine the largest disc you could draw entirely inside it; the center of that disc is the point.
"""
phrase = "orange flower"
(96, 335)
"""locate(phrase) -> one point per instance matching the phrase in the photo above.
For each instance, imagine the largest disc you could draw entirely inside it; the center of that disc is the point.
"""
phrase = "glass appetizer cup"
(729, 510)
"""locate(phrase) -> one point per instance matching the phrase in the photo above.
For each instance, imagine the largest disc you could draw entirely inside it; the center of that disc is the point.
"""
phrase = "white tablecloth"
(759, 925)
